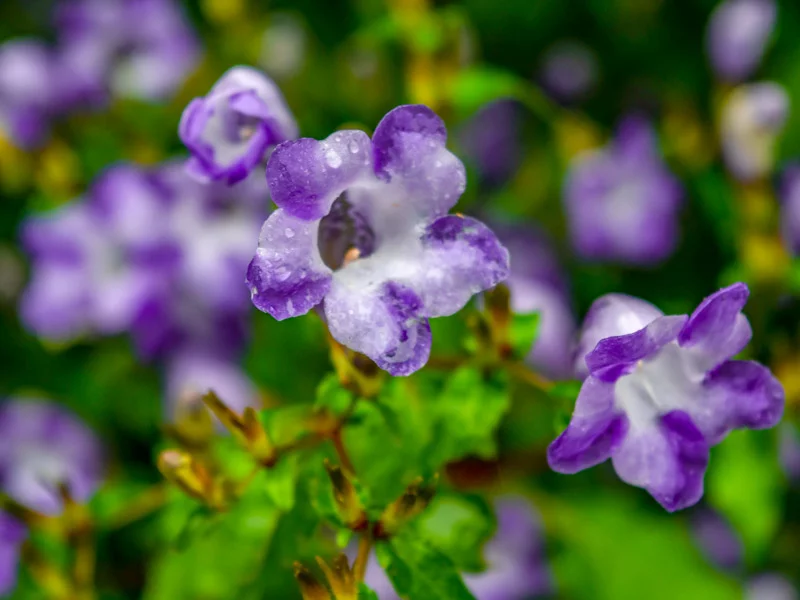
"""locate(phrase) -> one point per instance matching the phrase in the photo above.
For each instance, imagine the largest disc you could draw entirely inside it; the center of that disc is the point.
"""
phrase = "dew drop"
(333, 159)
(289, 232)
(353, 147)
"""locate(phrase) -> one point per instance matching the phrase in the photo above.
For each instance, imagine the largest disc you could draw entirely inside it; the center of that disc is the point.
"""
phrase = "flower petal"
(668, 459)
(306, 176)
(717, 329)
(740, 394)
(461, 257)
(614, 353)
(384, 322)
(12, 533)
(611, 315)
(287, 277)
(595, 430)
(409, 147)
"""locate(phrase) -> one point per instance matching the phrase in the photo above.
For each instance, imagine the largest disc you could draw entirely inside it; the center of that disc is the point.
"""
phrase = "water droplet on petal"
(289, 232)
(333, 159)
(353, 147)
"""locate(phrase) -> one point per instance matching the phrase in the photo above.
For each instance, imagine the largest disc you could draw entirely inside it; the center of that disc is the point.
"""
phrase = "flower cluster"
(661, 390)
(140, 49)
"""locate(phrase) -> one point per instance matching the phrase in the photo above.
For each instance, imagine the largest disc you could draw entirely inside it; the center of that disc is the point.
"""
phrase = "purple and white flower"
(515, 559)
(737, 36)
(230, 131)
(718, 541)
(12, 534)
(753, 117)
(26, 91)
(42, 448)
(96, 262)
(363, 226)
(538, 284)
(142, 49)
(658, 397)
(770, 586)
(621, 201)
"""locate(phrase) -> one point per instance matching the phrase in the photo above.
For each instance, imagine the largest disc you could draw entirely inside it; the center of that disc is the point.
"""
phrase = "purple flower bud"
(129, 48)
(230, 130)
(12, 534)
(718, 541)
(568, 70)
(43, 447)
(26, 91)
(657, 398)
(491, 141)
(753, 117)
(621, 201)
(362, 224)
(737, 36)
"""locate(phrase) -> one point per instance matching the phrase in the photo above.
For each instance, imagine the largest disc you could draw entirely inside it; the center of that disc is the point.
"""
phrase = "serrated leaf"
(466, 416)
(420, 572)
(745, 483)
(458, 526)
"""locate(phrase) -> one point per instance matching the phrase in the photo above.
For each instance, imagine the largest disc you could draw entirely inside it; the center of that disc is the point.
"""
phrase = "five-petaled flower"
(362, 224)
(662, 390)
(230, 130)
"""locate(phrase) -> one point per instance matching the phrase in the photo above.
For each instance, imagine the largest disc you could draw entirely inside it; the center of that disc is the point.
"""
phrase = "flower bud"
(347, 502)
(310, 588)
(414, 500)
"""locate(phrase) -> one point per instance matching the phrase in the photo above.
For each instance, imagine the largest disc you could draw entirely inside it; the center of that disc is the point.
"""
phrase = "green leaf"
(523, 332)
(606, 548)
(420, 572)
(281, 482)
(364, 593)
(459, 526)
(466, 416)
(332, 397)
(745, 483)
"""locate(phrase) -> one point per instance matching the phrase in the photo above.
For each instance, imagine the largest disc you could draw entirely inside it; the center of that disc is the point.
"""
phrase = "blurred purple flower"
(568, 70)
(26, 91)
(152, 252)
(789, 451)
(97, 261)
(516, 562)
(737, 36)
(622, 202)
(12, 534)
(191, 372)
(770, 586)
(491, 141)
(790, 211)
(44, 446)
(657, 399)
(362, 224)
(718, 541)
(142, 49)
(230, 130)
(753, 117)
(537, 283)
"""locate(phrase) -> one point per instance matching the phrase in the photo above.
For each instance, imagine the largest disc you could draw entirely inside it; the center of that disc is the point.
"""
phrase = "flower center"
(345, 235)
